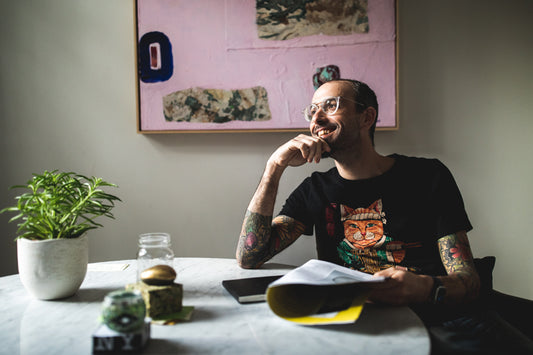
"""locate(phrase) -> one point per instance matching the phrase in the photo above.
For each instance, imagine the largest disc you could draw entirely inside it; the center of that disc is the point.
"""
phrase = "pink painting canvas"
(203, 67)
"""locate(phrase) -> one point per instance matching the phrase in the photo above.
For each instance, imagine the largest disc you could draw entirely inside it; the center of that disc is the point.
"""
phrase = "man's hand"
(402, 287)
(298, 151)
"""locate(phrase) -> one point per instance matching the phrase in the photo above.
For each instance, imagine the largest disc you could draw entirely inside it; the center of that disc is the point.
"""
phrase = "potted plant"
(54, 215)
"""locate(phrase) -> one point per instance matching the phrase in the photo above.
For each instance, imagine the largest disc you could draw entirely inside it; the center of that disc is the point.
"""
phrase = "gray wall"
(67, 101)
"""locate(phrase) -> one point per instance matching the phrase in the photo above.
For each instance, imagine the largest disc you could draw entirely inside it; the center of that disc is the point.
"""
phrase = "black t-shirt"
(392, 219)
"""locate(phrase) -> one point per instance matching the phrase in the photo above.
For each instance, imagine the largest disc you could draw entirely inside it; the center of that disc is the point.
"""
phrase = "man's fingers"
(301, 149)
(311, 148)
(389, 282)
(312, 153)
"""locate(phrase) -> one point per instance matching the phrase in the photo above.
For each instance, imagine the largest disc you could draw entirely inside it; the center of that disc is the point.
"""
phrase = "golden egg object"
(159, 275)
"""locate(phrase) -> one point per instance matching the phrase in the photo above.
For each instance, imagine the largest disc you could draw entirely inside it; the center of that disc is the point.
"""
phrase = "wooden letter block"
(106, 340)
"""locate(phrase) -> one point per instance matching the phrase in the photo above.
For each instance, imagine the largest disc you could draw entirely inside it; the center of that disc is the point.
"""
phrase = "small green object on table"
(163, 303)
(124, 311)
(123, 327)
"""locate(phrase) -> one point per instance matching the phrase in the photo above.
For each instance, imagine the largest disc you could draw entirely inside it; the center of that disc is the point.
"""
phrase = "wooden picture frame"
(191, 54)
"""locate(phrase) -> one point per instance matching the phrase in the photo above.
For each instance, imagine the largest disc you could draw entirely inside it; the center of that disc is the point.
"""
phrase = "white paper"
(318, 272)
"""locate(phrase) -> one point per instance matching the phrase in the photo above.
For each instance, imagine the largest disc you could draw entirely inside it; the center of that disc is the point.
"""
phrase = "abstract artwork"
(286, 19)
(217, 106)
(244, 65)
(325, 74)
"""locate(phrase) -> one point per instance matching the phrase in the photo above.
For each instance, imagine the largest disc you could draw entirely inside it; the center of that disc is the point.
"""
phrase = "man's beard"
(342, 146)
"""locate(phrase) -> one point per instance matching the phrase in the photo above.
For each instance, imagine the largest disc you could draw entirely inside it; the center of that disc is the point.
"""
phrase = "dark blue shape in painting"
(155, 57)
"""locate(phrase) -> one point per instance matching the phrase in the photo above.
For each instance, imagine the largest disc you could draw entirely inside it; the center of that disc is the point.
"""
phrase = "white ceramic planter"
(53, 268)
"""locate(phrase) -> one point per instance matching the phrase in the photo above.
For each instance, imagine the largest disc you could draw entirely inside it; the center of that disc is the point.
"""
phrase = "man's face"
(341, 129)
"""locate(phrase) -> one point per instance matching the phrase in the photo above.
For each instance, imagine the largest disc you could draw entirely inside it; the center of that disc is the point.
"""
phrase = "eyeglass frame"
(321, 104)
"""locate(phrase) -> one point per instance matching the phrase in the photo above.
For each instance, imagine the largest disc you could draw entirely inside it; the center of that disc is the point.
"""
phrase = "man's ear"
(368, 117)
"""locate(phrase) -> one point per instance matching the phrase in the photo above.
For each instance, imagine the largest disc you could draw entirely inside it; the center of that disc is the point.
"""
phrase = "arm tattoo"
(261, 238)
(285, 231)
(455, 252)
(254, 236)
(456, 256)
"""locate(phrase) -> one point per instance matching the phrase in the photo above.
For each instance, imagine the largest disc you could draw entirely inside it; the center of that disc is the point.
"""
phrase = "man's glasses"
(329, 106)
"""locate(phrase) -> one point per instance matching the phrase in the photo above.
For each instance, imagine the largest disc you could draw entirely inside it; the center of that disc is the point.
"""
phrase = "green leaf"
(60, 205)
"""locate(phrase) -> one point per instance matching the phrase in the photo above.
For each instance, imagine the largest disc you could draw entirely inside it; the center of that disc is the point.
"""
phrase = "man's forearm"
(265, 195)
(252, 248)
(260, 240)
(462, 283)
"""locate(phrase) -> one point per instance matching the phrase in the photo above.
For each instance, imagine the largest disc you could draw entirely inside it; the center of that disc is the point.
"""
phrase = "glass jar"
(154, 249)
(124, 311)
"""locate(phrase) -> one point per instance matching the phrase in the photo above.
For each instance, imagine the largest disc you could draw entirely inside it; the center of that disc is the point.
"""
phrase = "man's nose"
(319, 115)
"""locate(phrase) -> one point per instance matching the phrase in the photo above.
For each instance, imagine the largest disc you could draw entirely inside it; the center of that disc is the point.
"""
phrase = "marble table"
(219, 324)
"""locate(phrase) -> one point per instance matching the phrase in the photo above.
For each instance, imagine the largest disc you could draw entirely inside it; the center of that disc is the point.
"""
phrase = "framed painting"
(244, 65)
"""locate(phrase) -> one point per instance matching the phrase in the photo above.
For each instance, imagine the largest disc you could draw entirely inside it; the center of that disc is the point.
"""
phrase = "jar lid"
(154, 239)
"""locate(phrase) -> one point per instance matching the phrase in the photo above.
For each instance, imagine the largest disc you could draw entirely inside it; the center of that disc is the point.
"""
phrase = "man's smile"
(324, 132)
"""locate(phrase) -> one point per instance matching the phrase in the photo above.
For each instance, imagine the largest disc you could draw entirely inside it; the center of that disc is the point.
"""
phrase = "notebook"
(248, 290)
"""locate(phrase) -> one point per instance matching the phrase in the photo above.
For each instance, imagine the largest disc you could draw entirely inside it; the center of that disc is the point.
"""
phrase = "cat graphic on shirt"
(365, 246)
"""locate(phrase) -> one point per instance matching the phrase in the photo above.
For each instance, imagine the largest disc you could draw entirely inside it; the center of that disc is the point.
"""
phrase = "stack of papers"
(320, 292)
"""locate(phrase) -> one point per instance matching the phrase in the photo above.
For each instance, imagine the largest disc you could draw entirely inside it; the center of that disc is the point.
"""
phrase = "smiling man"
(388, 215)
(395, 216)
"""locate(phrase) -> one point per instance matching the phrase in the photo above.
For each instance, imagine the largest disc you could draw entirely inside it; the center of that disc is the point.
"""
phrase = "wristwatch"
(438, 291)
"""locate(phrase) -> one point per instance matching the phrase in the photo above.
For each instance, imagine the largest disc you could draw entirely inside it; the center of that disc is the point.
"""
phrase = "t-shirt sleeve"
(296, 207)
(448, 204)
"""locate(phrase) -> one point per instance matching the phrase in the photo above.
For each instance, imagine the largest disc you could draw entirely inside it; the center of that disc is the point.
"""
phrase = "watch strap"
(438, 291)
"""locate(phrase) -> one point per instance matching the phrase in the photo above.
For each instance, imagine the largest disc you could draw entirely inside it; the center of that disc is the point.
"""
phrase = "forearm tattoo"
(285, 231)
(254, 236)
(455, 252)
(456, 256)
(261, 237)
